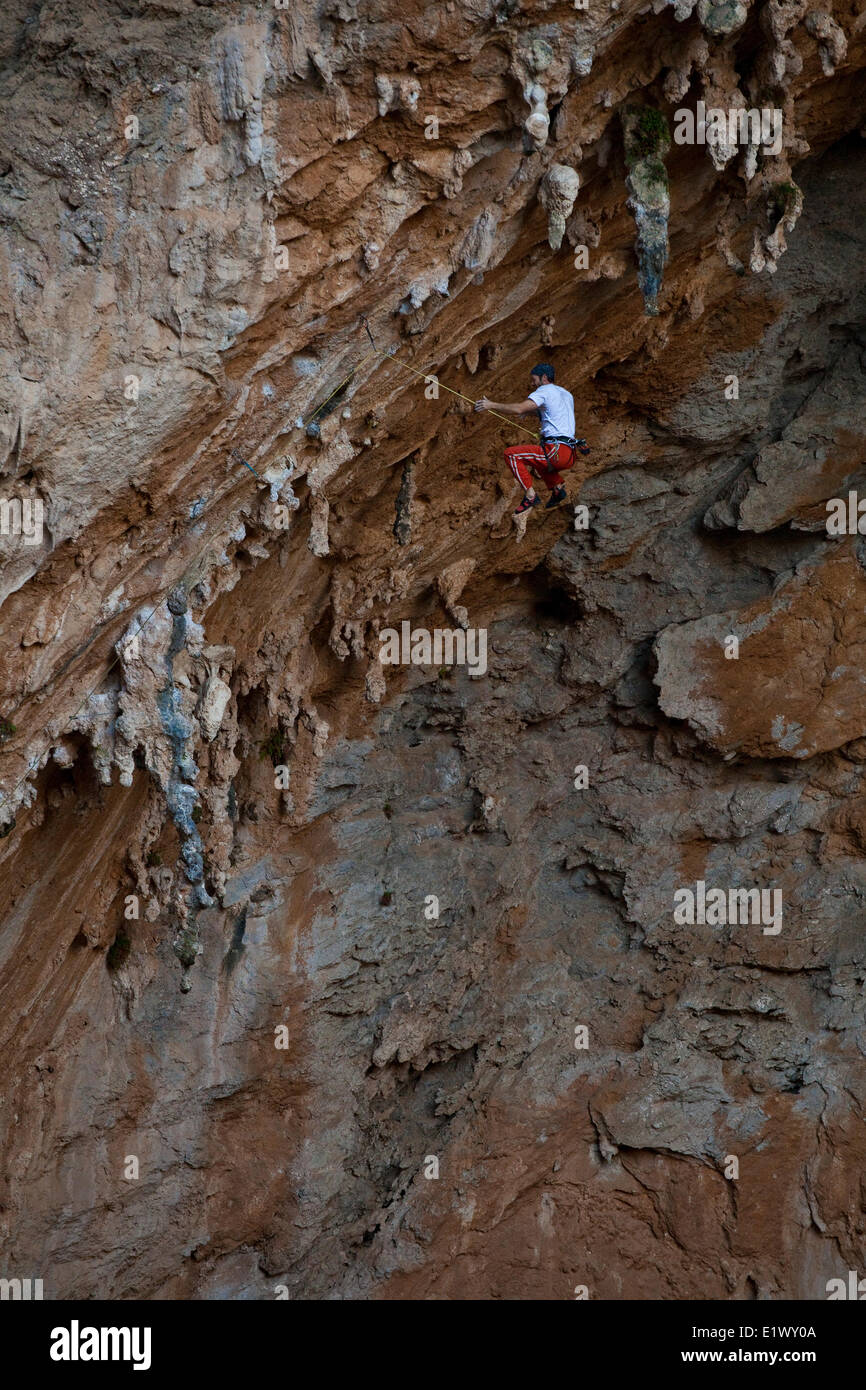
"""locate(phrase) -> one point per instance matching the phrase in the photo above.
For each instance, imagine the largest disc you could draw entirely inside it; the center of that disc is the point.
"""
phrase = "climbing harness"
(579, 444)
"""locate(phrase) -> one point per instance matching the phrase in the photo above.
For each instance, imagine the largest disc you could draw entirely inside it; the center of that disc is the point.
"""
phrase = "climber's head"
(542, 374)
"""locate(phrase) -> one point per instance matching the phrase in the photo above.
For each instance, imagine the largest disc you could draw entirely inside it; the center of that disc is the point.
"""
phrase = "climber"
(554, 455)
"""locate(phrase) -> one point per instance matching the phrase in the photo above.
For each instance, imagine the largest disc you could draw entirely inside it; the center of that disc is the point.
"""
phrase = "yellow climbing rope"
(426, 376)
(363, 361)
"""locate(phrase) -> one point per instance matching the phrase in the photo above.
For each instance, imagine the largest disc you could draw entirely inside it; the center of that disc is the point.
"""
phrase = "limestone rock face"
(793, 685)
(558, 191)
(215, 697)
(377, 969)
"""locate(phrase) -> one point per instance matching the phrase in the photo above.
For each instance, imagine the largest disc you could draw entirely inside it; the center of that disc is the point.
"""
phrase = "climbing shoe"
(557, 496)
(526, 505)
(581, 446)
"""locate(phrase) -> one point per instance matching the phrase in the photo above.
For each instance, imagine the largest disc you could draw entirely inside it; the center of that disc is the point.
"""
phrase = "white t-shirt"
(557, 410)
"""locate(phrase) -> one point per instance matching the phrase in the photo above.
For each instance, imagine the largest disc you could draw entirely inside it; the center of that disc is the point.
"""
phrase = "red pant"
(547, 462)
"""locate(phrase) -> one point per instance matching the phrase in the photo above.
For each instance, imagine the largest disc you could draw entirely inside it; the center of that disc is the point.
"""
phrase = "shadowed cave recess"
(376, 971)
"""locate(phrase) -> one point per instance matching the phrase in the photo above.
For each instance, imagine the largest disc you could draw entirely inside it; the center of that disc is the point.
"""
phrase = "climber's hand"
(483, 404)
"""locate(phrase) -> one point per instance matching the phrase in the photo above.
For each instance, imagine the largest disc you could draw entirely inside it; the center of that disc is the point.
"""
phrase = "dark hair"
(544, 369)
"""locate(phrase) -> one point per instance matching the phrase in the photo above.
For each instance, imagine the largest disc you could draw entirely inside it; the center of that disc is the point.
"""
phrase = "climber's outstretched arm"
(523, 408)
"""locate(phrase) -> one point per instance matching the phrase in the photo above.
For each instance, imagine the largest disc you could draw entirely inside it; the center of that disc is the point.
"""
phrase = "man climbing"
(555, 454)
